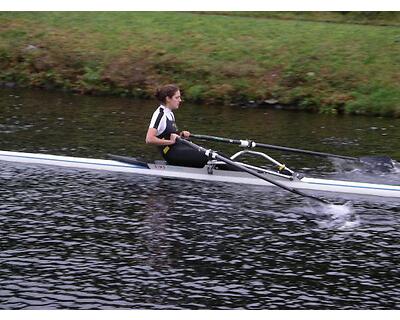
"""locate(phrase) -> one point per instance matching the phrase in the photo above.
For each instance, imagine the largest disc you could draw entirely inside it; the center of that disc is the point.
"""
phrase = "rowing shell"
(176, 172)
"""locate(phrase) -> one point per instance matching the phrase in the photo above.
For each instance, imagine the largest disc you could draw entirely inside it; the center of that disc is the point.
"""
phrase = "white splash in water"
(333, 216)
(396, 167)
(339, 216)
(338, 211)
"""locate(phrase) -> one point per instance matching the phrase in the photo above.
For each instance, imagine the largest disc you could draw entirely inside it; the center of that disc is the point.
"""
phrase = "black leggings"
(180, 154)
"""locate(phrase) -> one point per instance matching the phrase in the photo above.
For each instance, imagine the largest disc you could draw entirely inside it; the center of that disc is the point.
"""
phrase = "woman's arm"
(151, 138)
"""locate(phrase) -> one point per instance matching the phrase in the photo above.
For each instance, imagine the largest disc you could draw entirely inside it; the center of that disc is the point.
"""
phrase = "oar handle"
(212, 154)
(242, 143)
(212, 138)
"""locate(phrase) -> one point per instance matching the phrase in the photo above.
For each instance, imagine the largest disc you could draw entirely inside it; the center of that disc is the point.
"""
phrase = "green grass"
(319, 66)
(384, 18)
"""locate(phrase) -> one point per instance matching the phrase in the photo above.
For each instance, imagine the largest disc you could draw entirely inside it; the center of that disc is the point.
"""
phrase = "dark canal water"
(75, 239)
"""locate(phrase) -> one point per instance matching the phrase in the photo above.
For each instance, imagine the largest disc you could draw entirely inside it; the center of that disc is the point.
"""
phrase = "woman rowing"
(163, 131)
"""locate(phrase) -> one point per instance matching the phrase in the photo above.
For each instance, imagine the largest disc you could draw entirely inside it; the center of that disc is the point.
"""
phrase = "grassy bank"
(216, 58)
(378, 18)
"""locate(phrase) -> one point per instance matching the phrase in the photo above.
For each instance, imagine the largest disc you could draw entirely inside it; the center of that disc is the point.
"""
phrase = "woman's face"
(174, 101)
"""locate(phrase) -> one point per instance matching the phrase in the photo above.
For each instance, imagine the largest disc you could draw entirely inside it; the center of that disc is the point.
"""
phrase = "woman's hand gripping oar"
(215, 155)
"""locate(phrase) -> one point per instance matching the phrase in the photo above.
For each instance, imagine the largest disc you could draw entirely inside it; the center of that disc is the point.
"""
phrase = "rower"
(163, 131)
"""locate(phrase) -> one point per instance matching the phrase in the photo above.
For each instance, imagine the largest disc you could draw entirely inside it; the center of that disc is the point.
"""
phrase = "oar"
(215, 155)
(381, 162)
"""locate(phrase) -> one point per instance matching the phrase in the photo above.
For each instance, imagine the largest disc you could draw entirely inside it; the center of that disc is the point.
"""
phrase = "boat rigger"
(213, 172)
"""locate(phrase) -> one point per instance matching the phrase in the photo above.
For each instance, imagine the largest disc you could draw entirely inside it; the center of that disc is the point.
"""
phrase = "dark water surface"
(78, 239)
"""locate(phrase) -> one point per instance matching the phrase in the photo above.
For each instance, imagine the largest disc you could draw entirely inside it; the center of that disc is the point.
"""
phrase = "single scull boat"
(214, 171)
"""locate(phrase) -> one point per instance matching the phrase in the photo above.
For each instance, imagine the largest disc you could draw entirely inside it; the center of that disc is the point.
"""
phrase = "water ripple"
(88, 240)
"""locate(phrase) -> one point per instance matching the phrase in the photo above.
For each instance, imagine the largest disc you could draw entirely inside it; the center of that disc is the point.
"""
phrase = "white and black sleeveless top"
(163, 120)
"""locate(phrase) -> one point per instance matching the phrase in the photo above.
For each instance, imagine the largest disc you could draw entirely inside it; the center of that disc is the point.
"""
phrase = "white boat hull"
(167, 171)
